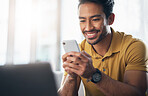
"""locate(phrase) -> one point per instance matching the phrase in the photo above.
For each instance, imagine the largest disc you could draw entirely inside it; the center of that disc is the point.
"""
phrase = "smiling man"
(110, 63)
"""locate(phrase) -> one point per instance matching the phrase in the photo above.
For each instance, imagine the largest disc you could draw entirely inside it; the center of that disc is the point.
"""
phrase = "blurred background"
(32, 30)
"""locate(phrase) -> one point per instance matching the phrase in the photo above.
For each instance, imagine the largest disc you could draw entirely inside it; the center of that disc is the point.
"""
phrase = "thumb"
(85, 53)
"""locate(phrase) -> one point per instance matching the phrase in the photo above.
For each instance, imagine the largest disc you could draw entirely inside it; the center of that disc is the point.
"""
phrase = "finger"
(71, 65)
(66, 64)
(74, 66)
(77, 69)
(69, 70)
(64, 57)
(78, 72)
(85, 53)
(78, 55)
(66, 68)
(69, 60)
(74, 59)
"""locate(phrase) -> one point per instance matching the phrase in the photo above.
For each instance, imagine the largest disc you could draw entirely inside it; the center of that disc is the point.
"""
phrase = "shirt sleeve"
(136, 56)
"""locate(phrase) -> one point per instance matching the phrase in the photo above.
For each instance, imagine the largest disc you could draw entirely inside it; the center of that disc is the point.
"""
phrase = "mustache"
(91, 31)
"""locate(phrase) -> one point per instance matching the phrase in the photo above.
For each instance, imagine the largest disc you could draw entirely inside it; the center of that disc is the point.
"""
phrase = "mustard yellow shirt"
(125, 53)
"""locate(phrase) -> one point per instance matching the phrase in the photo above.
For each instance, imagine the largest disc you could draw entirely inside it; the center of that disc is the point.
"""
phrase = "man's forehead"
(90, 9)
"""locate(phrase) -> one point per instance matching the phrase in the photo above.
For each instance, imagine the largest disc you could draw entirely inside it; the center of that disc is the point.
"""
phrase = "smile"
(91, 35)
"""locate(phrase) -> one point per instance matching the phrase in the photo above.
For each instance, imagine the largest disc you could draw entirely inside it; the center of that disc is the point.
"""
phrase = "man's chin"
(93, 42)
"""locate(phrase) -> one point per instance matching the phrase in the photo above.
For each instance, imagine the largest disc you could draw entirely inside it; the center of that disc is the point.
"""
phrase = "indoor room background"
(32, 30)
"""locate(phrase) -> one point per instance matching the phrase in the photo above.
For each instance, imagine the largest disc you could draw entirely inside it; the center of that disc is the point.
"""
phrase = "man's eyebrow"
(90, 16)
(95, 16)
(81, 17)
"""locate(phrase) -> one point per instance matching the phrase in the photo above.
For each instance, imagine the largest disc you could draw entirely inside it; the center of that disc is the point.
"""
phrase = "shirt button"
(102, 59)
(104, 70)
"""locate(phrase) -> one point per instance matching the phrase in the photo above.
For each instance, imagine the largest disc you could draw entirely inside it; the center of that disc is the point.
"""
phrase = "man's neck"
(102, 47)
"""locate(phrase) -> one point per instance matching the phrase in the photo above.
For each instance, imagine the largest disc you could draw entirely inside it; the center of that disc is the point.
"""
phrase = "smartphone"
(70, 45)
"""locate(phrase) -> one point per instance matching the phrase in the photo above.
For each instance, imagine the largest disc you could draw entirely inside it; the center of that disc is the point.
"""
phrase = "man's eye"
(82, 20)
(96, 19)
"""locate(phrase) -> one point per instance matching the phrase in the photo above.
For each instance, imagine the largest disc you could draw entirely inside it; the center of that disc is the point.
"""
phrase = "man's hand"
(78, 63)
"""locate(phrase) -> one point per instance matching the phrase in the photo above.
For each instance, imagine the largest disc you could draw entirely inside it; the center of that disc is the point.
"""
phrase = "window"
(4, 7)
(131, 17)
(22, 30)
(29, 31)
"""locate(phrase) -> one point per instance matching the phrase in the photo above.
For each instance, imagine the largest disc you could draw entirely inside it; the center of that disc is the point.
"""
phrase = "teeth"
(91, 34)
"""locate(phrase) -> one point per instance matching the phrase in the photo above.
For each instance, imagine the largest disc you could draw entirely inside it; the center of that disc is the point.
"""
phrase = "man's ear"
(111, 19)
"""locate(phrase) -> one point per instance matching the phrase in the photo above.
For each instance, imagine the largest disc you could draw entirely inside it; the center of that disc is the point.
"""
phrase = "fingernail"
(79, 58)
(71, 62)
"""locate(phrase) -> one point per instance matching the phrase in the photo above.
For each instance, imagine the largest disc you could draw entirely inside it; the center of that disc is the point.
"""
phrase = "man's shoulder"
(127, 40)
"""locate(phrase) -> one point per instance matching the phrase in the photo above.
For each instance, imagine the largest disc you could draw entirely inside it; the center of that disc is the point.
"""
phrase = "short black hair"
(107, 5)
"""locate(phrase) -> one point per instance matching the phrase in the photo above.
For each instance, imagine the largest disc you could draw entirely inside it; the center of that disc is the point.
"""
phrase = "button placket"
(103, 64)
(97, 62)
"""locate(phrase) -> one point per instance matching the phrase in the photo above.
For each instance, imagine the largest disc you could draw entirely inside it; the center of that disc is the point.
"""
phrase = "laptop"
(27, 80)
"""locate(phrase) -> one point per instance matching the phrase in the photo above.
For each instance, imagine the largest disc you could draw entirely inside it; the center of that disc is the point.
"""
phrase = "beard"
(102, 36)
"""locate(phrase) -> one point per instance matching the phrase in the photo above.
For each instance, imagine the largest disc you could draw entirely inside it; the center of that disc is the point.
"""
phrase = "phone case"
(71, 45)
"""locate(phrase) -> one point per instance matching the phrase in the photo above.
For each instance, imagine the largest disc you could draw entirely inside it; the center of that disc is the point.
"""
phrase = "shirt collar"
(114, 46)
(115, 43)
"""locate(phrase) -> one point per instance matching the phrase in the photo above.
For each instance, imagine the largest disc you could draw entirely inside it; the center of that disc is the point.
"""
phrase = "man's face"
(93, 22)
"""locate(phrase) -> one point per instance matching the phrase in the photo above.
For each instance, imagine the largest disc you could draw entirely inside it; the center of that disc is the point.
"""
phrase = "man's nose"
(88, 26)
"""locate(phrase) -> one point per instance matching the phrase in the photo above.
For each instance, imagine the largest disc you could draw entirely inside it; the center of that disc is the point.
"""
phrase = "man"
(110, 63)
